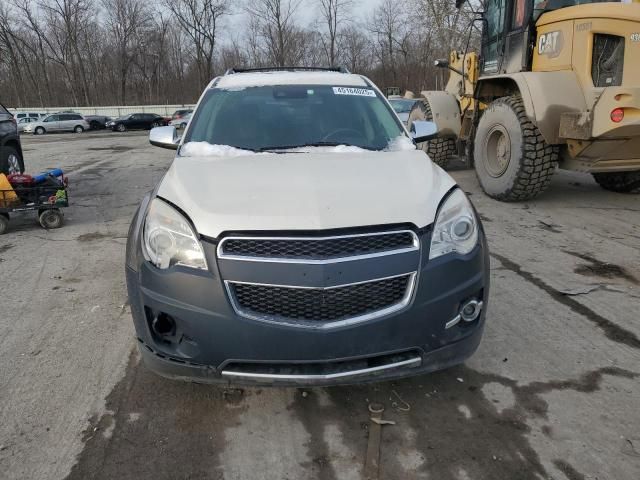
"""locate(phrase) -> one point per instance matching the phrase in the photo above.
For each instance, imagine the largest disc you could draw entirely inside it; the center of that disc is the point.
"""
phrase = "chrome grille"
(318, 248)
(334, 304)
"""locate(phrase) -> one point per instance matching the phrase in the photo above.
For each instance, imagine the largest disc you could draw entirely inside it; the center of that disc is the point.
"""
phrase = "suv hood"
(305, 191)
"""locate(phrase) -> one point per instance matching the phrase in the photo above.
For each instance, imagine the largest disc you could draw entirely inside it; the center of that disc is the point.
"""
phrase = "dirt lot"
(553, 391)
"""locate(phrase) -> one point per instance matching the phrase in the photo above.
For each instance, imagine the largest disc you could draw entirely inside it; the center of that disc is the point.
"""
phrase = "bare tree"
(334, 13)
(125, 20)
(200, 20)
(356, 49)
(276, 22)
(70, 22)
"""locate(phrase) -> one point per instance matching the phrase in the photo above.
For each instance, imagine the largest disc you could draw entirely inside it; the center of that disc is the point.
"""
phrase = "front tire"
(440, 150)
(78, 129)
(4, 223)
(51, 218)
(39, 131)
(621, 182)
(121, 128)
(511, 158)
(11, 161)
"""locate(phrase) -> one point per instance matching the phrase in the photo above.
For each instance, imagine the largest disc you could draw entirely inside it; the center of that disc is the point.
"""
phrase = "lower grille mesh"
(309, 304)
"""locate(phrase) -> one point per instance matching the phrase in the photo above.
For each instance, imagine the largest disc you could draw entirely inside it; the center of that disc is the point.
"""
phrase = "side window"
(75, 117)
(65, 118)
(494, 27)
(607, 60)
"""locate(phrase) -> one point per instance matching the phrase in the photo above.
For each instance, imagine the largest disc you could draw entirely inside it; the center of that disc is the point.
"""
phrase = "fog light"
(164, 325)
(471, 310)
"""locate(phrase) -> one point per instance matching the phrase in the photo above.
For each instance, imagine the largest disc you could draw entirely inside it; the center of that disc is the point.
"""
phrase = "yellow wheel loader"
(556, 84)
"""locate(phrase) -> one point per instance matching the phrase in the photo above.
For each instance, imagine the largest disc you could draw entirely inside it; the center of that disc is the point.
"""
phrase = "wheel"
(621, 182)
(511, 158)
(10, 161)
(4, 223)
(39, 131)
(155, 124)
(51, 218)
(79, 129)
(183, 126)
(94, 125)
(121, 128)
(440, 150)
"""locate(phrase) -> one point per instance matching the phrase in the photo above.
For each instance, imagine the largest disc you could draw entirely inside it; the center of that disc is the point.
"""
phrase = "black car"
(97, 122)
(11, 160)
(136, 121)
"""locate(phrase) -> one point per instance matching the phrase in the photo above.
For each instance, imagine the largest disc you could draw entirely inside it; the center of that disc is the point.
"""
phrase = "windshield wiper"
(312, 144)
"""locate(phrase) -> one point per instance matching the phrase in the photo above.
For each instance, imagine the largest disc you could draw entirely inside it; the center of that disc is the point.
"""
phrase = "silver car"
(181, 122)
(24, 121)
(59, 122)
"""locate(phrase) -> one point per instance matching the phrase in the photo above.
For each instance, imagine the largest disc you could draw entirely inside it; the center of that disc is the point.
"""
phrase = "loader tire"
(440, 150)
(621, 182)
(511, 158)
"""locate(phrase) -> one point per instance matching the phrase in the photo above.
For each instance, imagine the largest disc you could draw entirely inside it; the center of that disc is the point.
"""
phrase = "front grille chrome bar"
(408, 363)
(415, 245)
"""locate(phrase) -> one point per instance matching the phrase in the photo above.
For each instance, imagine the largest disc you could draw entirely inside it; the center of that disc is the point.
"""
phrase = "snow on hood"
(205, 149)
(305, 191)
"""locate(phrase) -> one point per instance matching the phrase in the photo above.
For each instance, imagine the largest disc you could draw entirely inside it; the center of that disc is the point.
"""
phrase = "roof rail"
(231, 71)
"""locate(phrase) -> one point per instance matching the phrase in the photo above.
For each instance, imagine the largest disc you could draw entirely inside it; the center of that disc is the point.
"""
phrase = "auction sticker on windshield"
(361, 92)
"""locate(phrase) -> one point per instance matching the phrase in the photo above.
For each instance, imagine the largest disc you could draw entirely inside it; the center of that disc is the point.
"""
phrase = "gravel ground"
(551, 393)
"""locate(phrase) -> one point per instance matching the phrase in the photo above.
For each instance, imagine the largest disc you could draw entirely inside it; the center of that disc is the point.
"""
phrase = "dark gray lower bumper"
(216, 344)
(439, 359)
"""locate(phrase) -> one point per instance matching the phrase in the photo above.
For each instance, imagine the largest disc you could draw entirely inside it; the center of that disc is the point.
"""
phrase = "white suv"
(299, 237)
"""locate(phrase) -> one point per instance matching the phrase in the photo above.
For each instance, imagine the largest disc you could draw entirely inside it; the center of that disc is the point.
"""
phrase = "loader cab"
(508, 28)
(509, 32)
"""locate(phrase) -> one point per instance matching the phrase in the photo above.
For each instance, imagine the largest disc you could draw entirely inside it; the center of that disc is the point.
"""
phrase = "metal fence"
(113, 111)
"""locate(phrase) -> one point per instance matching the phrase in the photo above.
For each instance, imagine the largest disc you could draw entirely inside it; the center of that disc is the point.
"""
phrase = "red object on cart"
(20, 179)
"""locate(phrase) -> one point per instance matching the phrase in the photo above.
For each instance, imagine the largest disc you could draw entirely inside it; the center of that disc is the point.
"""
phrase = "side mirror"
(164, 137)
(422, 131)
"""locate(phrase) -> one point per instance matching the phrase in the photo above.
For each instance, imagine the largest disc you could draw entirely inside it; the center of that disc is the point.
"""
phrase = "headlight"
(168, 238)
(456, 228)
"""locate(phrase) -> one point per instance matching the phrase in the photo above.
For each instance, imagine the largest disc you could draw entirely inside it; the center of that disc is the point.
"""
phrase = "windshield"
(402, 105)
(541, 6)
(285, 117)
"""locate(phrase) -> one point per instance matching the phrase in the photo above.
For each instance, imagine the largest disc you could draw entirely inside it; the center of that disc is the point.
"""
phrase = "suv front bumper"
(213, 344)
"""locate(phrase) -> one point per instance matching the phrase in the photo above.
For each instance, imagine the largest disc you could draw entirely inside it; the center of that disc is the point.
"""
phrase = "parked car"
(178, 114)
(181, 122)
(402, 107)
(11, 159)
(97, 122)
(59, 122)
(136, 121)
(300, 237)
(21, 115)
(23, 122)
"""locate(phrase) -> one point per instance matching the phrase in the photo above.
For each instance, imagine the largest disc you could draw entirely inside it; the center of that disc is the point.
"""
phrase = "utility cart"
(45, 194)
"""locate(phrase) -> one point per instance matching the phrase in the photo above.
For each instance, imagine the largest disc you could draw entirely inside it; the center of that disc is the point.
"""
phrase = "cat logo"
(550, 44)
